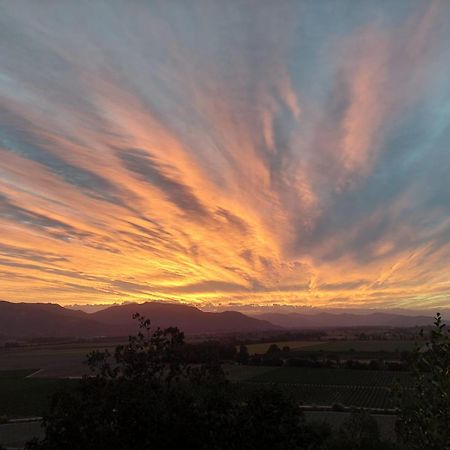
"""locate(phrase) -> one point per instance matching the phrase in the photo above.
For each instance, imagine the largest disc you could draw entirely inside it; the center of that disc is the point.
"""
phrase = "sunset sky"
(225, 152)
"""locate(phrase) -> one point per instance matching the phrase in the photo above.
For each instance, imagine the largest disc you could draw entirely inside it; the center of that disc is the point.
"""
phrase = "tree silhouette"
(424, 420)
(146, 395)
(242, 356)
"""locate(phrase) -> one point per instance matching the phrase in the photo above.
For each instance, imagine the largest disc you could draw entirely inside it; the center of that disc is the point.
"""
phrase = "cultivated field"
(22, 396)
(342, 346)
(362, 346)
(359, 388)
(28, 375)
(341, 377)
(62, 360)
(236, 372)
(354, 396)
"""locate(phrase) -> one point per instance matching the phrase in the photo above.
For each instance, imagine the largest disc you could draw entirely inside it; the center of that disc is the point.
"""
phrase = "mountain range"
(19, 320)
(31, 320)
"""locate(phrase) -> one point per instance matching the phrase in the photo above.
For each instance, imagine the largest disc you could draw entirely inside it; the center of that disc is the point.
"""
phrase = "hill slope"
(187, 318)
(19, 320)
(31, 320)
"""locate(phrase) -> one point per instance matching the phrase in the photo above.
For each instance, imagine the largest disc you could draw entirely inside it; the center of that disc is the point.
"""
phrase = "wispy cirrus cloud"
(292, 152)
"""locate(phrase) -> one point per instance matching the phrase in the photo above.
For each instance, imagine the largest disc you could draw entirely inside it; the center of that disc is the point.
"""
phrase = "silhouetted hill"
(18, 320)
(187, 318)
(327, 320)
(25, 320)
(31, 320)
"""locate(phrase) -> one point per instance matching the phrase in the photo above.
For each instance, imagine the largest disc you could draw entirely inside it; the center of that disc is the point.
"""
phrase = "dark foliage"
(208, 351)
(359, 432)
(424, 421)
(242, 357)
(147, 395)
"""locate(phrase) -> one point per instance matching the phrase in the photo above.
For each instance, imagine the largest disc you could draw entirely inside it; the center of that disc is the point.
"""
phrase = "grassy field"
(342, 346)
(24, 397)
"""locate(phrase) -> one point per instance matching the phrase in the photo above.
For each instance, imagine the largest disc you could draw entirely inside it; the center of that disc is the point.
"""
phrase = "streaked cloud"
(235, 152)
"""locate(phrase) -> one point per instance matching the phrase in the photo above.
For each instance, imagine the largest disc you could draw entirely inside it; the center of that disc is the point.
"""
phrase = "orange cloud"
(155, 163)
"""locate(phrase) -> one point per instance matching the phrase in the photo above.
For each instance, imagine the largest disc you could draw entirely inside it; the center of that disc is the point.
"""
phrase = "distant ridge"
(32, 320)
(188, 318)
(25, 320)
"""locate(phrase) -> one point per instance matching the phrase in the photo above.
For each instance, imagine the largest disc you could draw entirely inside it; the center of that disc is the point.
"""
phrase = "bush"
(425, 411)
(359, 432)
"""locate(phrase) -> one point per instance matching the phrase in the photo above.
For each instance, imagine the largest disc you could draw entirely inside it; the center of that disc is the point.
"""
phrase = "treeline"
(286, 336)
(276, 356)
(212, 350)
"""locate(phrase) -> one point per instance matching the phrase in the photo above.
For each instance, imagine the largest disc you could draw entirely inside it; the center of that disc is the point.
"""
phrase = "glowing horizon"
(213, 152)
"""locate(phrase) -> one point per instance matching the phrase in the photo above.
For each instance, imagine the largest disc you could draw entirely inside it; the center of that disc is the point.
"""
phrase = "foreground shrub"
(424, 420)
(147, 396)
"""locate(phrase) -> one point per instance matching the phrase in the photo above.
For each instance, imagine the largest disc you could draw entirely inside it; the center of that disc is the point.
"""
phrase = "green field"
(25, 397)
(336, 346)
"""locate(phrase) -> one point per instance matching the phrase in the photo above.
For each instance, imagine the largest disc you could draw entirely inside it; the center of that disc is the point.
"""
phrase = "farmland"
(238, 373)
(21, 396)
(337, 346)
(349, 396)
(359, 388)
(362, 346)
(65, 360)
(61, 360)
(341, 377)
